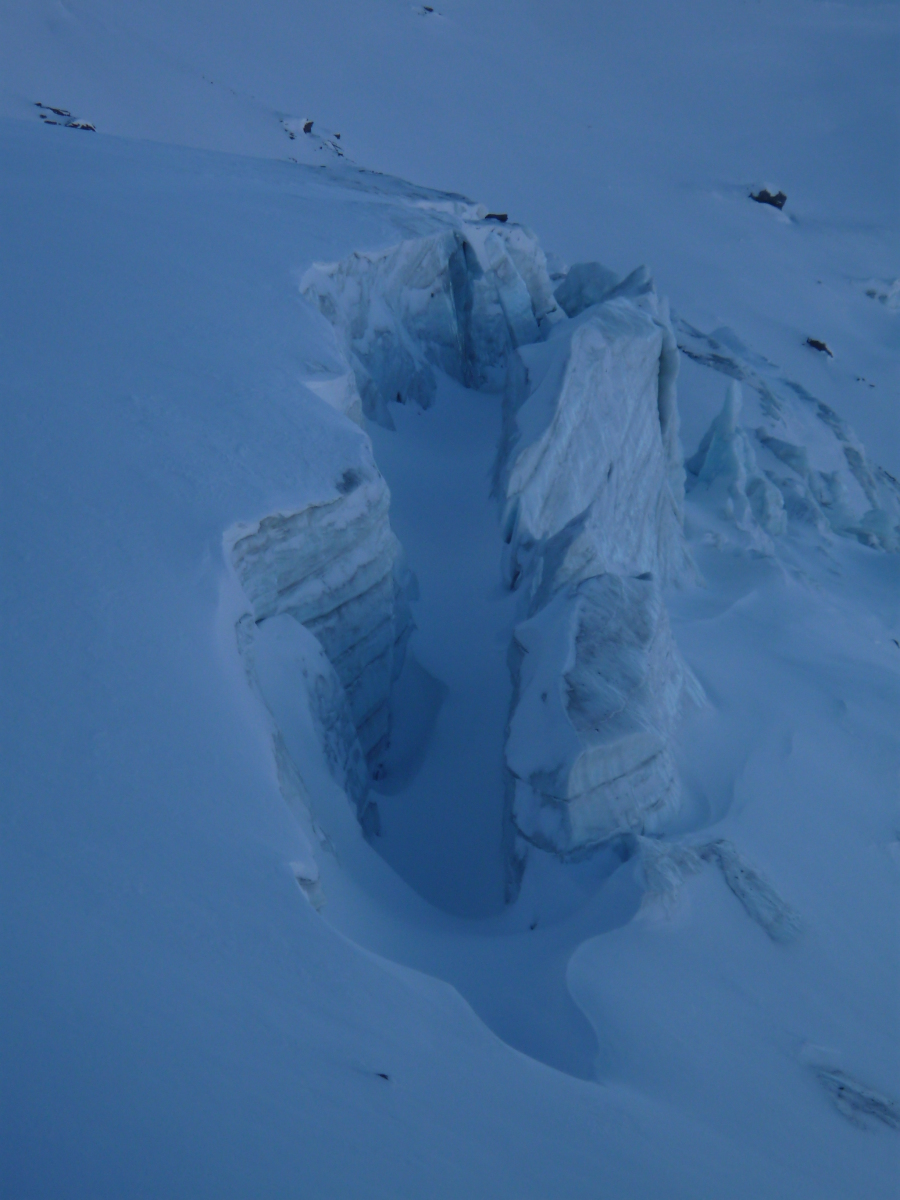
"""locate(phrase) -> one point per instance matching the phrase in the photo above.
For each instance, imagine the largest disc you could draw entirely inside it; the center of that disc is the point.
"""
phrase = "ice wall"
(598, 680)
(336, 567)
(459, 301)
(591, 473)
(591, 479)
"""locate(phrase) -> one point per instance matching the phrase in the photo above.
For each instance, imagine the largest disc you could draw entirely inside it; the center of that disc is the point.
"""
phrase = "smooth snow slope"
(177, 1019)
(619, 132)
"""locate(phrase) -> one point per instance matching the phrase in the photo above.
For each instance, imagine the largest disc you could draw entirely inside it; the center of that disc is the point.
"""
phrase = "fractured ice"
(799, 448)
(591, 483)
(598, 681)
(460, 301)
(336, 567)
(591, 478)
(726, 464)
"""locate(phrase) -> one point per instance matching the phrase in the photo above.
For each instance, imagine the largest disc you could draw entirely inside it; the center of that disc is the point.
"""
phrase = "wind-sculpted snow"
(290, 668)
(794, 445)
(460, 301)
(336, 567)
(665, 866)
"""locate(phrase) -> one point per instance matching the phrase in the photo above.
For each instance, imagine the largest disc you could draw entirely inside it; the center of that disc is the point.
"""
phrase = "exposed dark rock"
(307, 126)
(817, 345)
(497, 217)
(857, 1102)
(764, 196)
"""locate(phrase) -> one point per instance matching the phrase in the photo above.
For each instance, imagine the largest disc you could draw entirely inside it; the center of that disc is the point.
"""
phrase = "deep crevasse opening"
(331, 590)
(529, 720)
(442, 793)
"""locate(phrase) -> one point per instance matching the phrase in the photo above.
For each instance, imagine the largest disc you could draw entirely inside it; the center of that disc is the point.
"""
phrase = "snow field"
(715, 1016)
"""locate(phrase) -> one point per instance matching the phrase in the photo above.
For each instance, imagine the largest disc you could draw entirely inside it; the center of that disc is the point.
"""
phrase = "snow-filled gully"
(480, 659)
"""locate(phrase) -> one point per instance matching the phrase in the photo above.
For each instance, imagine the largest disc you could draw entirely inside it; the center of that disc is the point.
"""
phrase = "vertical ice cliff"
(598, 682)
(459, 301)
(591, 479)
(591, 475)
(335, 566)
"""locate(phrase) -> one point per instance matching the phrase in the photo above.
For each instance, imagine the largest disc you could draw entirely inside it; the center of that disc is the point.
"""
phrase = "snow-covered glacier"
(693, 993)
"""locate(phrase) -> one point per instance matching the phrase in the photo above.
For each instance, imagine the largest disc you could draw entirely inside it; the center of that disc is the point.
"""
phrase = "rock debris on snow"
(764, 196)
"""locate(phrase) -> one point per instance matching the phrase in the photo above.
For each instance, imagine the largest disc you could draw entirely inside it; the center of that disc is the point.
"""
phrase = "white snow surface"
(238, 959)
